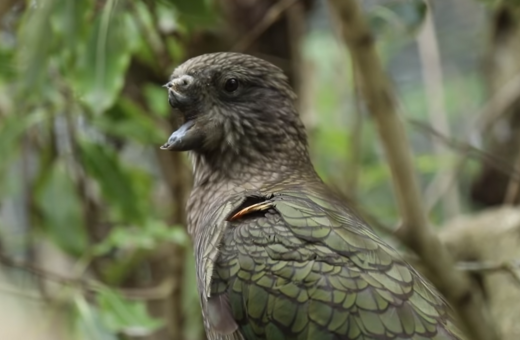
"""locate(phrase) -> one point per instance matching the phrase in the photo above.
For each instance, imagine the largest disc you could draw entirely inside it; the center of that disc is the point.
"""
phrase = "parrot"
(278, 254)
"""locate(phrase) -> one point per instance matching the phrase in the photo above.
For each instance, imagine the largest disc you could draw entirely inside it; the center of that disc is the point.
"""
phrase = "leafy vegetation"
(75, 140)
(82, 114)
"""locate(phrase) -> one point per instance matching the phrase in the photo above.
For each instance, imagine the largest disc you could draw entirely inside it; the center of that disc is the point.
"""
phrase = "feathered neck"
(255, 149)
(217, 179)
(257, 152)
(248, 168)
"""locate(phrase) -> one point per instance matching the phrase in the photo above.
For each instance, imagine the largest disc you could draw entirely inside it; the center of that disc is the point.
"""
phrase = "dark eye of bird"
(231, 85)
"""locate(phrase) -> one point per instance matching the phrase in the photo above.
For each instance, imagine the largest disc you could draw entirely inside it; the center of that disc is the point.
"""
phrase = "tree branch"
(415, 232)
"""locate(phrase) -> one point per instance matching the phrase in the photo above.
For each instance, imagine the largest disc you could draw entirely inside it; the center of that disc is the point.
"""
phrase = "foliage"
(122, 316)
(72, 120)
(82, 114)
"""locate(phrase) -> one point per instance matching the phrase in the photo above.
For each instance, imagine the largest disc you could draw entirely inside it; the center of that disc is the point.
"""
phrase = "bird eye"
(231, 85)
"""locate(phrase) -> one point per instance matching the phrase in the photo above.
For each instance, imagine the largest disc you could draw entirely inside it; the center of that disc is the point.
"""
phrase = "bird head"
(232, 101)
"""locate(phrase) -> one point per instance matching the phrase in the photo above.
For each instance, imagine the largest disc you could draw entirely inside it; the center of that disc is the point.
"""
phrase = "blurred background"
(92, 222)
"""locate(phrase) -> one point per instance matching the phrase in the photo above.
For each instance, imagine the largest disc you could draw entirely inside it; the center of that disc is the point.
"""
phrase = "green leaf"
(88, 323)
(125, 238)
(157, 100)
(192, 7)
(12, 129)
(70, 22)
(152, 233)
(128, 121)
(121, 315)
(35, 41)
(102, 163)
(161, 232)
(151, 42)
(60, 206)
(193, 13)
(177, 235)
(100, 71)
(7, 65)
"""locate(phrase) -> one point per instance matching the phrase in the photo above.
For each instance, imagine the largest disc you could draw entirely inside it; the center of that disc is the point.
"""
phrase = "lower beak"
(187, 137)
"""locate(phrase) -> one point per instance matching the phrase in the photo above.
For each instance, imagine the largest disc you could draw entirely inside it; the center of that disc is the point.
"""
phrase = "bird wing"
(297, 266)
(218, 320)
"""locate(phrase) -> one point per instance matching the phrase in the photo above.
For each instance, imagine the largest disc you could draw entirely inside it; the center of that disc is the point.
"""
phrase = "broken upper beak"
(178, 89)
(181, 83)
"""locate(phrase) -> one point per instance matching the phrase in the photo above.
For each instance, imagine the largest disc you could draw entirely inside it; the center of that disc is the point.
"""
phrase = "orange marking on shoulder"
(252, 208)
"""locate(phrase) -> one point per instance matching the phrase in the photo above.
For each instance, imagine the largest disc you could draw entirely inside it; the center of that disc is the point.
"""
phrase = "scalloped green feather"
(309, 269)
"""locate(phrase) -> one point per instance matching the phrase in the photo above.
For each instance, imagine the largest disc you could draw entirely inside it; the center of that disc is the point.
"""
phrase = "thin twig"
(23, 294)
(487, 266)
(512, 267)
(481, 267)
(42, 273)
(433, 81)
(274, 12)
(416, 233)
(159, 292)
(513, 270)
(497, 106)
(485, 118)
(470, 151)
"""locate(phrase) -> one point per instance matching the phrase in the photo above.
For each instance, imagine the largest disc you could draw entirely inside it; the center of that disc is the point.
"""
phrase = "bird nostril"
(184, 81)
